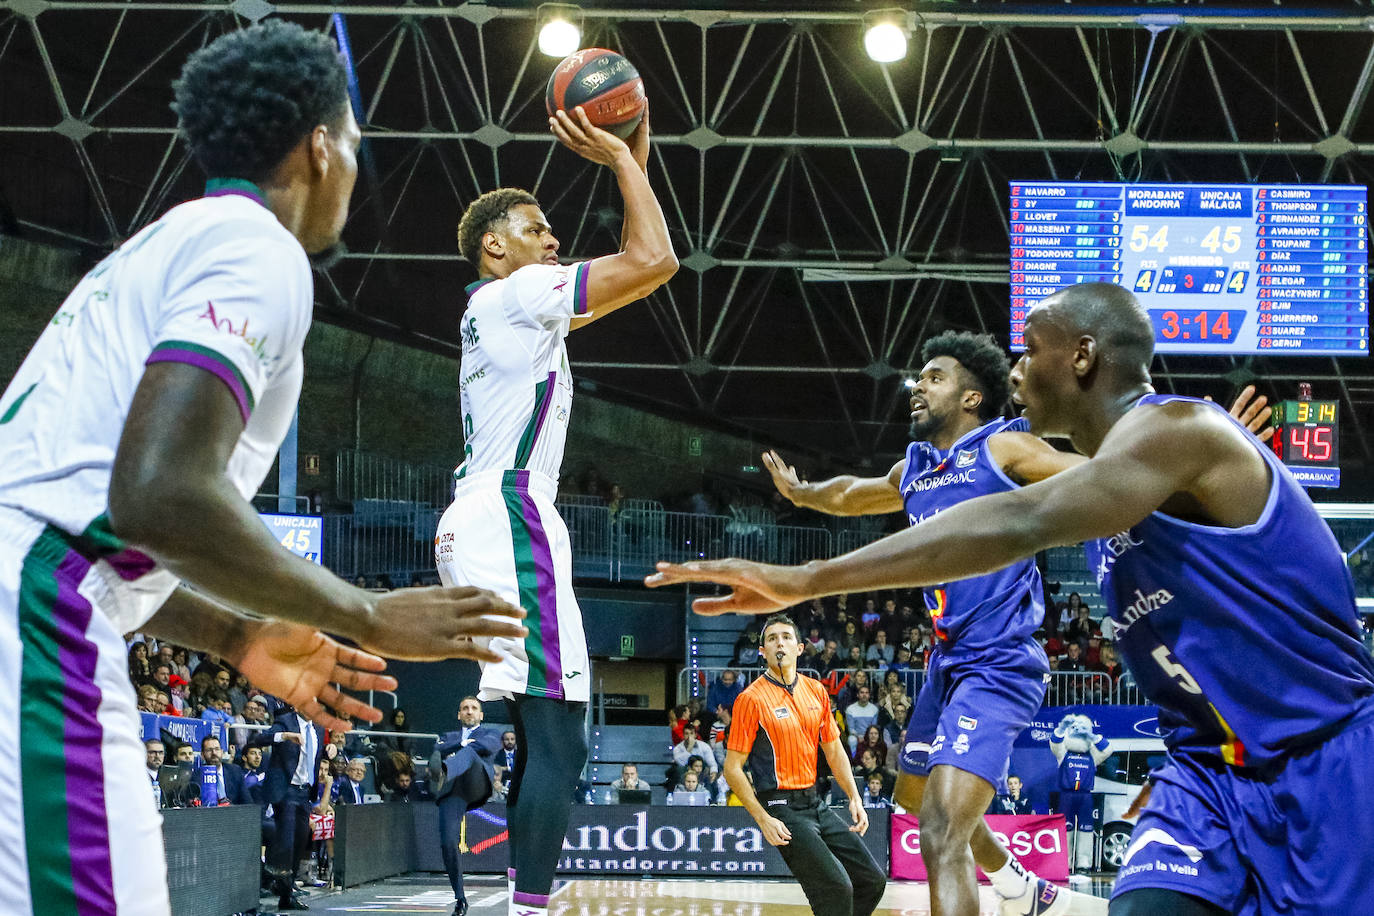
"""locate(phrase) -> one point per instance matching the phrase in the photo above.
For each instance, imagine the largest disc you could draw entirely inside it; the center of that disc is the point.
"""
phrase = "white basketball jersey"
(218, 283)
(516, 385)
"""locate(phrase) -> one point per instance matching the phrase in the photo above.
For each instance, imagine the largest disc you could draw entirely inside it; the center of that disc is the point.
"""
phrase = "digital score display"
(1222, 269)
(1306, 440)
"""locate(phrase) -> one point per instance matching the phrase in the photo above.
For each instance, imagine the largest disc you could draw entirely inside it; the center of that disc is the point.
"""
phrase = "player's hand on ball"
(428, 624)
(859, 816)
(775, 831)
(579, 134)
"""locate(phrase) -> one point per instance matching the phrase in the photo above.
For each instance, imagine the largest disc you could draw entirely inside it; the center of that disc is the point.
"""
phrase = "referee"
(778, 722)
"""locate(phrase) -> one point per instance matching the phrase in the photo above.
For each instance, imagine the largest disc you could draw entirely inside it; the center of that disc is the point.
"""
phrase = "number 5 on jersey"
(1176, 671)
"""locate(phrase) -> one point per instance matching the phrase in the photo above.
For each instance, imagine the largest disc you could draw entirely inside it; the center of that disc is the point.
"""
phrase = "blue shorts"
(1295, 845)
(971, 708)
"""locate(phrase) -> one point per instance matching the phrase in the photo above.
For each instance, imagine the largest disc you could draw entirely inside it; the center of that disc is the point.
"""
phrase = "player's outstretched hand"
(859, 816)
(580, 135)
(306, 668)
(775, 831)
(756, 588)
(429, 624)
(784, 475)
(1253, 412)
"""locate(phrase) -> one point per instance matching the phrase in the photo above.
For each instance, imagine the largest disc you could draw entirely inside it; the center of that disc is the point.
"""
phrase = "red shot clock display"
(1306, 439)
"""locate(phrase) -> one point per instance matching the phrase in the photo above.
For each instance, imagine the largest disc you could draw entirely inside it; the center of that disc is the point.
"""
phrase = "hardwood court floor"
(429, 893)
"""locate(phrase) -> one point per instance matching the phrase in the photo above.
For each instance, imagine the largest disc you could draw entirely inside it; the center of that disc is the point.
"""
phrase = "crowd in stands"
(355, 767)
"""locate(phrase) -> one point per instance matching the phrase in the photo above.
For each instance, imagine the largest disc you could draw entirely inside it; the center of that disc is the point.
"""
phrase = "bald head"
(1109, 314)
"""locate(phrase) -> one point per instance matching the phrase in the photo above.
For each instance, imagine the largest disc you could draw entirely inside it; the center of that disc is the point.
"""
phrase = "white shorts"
(503, 533)
(80, 833)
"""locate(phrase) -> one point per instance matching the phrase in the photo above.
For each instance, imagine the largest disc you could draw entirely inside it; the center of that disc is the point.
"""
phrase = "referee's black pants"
(836, 871)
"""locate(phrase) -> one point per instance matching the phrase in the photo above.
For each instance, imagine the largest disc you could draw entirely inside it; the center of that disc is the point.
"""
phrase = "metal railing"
(1065, 688)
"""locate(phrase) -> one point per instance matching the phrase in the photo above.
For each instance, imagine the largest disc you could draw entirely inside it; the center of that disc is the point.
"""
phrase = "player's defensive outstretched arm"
(169, 497)
(1152, 453)
(646, 260)
(843, 495)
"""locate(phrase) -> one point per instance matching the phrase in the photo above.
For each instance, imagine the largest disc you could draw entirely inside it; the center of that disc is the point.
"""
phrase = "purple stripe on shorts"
(548, 591)
(222, 372)
(530, 899)
(130, 564)
(88, 833)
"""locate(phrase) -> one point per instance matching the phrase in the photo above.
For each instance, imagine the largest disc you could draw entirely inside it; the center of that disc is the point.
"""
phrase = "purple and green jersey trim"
(580, 306)
(543, 397)
(217, 364)
(534, 574)
(66, 827)
(235, 187)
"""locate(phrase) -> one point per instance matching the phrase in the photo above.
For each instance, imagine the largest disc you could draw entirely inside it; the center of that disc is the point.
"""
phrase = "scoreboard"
(1305, 439)
(1222, 269)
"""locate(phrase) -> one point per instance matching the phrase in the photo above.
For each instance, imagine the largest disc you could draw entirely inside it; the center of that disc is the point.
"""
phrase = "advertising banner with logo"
(303, 535)
(187, 730)
(629, 839)
(1037, 840)
(1110, 722)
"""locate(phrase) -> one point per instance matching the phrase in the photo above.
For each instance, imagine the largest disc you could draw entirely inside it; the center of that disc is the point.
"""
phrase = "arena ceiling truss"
(829, 212)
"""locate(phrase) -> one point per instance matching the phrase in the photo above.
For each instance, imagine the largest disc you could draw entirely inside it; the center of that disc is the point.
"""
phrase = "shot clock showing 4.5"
(1221, 268)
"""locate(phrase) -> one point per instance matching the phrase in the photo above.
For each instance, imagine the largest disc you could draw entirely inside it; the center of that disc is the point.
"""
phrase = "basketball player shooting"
(502, 531)
(1192, 529)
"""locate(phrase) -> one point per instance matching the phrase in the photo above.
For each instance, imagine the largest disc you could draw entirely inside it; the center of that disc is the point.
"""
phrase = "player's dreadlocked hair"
(246, 99)
(484, 213)
(985, 366)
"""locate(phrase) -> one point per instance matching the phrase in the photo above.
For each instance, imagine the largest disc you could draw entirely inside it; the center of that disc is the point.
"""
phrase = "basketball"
(604, 83)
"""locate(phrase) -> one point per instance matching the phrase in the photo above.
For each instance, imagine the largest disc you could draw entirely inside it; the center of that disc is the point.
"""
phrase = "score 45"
(1224, 238)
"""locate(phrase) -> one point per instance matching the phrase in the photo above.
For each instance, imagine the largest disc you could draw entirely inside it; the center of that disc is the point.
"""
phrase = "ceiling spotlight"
(559, 34)
(885, 34)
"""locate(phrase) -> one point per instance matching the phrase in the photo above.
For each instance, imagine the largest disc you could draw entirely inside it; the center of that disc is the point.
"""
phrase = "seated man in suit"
(297, 746)
(230, 779)
(461, 778)
(350, 786)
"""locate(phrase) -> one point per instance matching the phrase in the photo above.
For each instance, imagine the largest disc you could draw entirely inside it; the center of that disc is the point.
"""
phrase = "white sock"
(1012, 879)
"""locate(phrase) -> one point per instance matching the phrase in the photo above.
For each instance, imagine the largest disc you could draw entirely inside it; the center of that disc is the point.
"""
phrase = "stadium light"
(885, 34)
(559, 33)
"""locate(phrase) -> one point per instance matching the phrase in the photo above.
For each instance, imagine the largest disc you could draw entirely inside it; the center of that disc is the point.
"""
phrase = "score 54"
(1226, 238)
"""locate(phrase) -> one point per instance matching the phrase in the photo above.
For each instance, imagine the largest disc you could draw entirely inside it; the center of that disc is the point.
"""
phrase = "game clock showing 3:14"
(1305, 439)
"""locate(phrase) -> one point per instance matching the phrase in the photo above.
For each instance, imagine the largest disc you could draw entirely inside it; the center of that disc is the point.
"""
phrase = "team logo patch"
(966, 457)
(961, 744)
(781, 712)
(968, 722)
(1048, 894)
(937, 744)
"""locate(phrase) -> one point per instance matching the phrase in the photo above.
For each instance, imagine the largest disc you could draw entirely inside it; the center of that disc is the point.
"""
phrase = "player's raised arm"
(1136, 470)
(170, 497)
(646, 260)
(842, 495)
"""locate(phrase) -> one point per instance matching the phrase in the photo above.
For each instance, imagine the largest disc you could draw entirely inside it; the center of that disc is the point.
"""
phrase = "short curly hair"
(985, 365)
(246, 99)
(483, 213)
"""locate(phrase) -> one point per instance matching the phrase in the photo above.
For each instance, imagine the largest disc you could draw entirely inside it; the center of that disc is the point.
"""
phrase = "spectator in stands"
(1011, 801)
(892, 720)
(815, 642)
(851, 637)
(321, 827)
(902, 663)
(182, 662)
(858, 716)
(854, 658)
(629, 780)
(1107, 664)
(162, 675)
(690, 746)
(164, 706)
(184, 753)
(868, 618)
(838, 715)
(828, 660)
(724, 690)
(872, 740)
(1082, 627)
(506, 756)
(869, 765)
(691, 785)
(746, 652)
(147, 699)
(350, 785)
(334, 749)
(156, 753)
(709, 778)
(720, 733)
(849, 692)
(873, 795)
(880, 653)
(401, 789)
(139, 669)
(254, 713)
(1073, 658)
(396, 722)
(232, 780)
(677, 721)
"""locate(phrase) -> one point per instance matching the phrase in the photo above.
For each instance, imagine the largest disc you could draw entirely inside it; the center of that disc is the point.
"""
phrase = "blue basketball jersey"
(1077, 772)
(1000, 607)
(1245, 637)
